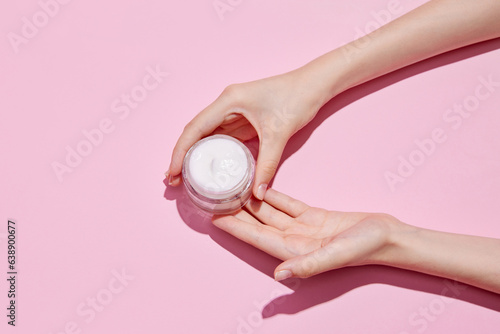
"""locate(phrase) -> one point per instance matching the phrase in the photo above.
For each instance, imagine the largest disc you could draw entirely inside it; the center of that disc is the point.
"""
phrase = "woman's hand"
(311, 240)
(275, 108)
(272, 109)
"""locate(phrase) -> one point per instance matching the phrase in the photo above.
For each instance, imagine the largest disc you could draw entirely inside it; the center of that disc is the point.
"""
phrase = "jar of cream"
(218, 174)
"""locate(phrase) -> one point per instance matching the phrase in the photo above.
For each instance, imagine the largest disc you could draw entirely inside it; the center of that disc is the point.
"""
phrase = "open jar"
(218, 174)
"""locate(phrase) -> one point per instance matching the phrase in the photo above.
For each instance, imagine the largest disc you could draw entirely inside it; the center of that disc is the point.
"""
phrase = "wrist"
(339, 70)
(325, 77)
(399, 240)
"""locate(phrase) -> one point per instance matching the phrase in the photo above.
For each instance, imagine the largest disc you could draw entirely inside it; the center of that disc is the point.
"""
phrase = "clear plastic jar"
(218, 174)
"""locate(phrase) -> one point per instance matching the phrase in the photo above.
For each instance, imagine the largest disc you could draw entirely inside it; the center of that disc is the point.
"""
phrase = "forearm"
(469, 259)
(433, 28)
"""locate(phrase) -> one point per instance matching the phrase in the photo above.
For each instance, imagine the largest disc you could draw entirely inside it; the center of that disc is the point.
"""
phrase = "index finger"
(200, 126)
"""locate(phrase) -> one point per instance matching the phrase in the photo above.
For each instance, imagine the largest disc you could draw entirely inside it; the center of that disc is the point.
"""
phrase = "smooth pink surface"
(112, 212)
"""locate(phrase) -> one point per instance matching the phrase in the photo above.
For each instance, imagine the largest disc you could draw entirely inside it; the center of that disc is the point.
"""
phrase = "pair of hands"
(309, 240)
(312, 240)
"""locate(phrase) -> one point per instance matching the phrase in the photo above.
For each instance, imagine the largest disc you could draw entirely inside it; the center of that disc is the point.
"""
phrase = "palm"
(287, 228)
(316, 227)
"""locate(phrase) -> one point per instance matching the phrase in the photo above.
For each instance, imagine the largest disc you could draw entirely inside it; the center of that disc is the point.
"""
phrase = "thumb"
(270, 152)
(303, 266)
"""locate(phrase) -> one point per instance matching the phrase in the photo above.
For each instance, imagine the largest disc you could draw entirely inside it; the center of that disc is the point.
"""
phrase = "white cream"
(217, 165)
(218, 173)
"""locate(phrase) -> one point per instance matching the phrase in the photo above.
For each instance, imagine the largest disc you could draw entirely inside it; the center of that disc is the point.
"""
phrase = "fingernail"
(169, 177)
(282, 275)
(261, 191)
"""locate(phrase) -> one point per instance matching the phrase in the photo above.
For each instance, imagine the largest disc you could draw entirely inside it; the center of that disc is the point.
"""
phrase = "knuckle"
(192, 127)
(188, 126)
(232, 92)
(307, 269)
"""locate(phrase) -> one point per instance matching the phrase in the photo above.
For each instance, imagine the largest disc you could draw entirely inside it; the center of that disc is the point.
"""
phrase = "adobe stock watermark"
(363, 36)
(252, 321)
(121, 107)
(222, 7)
(278, 123)
(95, 304)
(281, 119)
(453, 118)
(31, 26)
(421, 319)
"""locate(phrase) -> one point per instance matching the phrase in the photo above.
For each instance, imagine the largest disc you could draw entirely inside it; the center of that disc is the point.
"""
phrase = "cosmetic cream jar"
(218, 174)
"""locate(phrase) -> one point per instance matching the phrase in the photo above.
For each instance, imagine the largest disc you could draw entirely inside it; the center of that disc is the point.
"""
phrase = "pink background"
(112, 213)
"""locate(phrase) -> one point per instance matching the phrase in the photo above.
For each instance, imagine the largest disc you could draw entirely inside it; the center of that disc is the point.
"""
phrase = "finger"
(243, 133)
(200, 126)
(270, 151)
(268, 214)
(323, 259)
(241, 215)
(174, 180)
(354, 246)
(287, 204)
(246, 228)
(233, 121)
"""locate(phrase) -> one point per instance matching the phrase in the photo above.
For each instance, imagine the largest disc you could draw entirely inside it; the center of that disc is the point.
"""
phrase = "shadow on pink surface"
(327, 286)
(344, 99)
